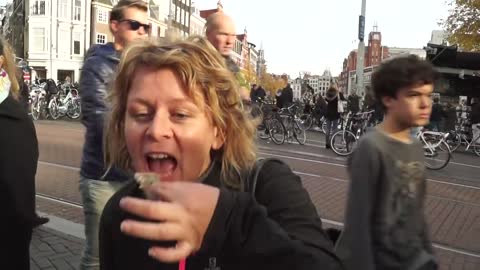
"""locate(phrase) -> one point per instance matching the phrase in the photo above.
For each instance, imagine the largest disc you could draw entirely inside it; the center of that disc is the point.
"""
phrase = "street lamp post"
(361, 50)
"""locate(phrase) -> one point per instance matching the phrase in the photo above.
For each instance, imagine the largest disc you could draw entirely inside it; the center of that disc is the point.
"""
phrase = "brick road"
(52, 249)
(452, 210)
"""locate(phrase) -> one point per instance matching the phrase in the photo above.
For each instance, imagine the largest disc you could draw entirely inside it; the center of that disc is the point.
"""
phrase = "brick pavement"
(51, 249)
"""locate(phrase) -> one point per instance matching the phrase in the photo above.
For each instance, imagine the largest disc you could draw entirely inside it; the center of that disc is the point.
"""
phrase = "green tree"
(463, 24)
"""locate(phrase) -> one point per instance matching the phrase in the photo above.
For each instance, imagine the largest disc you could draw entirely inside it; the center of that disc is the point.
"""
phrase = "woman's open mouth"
(161, 163)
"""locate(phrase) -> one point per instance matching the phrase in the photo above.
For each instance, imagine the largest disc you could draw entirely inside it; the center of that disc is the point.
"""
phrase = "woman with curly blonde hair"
(178, 124)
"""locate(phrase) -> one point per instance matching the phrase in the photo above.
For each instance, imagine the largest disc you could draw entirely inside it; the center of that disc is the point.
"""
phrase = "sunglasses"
(135, 25)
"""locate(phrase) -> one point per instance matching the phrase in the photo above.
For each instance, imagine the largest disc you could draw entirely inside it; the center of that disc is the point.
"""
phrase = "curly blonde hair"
(9, 67)
(208, 82)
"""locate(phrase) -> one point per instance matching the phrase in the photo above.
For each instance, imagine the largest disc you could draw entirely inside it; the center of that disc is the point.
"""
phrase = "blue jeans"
(95, 195)
(331, 129)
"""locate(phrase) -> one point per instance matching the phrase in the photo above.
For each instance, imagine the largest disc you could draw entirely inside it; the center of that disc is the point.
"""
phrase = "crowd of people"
(177, 109)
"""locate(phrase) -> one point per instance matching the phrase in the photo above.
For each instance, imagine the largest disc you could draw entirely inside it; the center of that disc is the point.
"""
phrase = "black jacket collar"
(12, 109)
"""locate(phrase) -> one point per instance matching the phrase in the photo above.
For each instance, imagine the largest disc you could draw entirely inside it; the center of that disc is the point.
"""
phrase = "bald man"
(220, 31)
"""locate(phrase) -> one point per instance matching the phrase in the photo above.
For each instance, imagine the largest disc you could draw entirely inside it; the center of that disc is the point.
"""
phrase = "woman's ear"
(219, 139)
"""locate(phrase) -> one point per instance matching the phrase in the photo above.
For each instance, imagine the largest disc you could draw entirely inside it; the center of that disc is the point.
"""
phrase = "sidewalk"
(51, 249)
(56, 245)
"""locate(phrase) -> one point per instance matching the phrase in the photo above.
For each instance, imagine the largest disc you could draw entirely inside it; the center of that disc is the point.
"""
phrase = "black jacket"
(279, 229)
(332, 106)
(476, 113)
(287, 96)
(18, 166)
(97, 74)
(437, 113)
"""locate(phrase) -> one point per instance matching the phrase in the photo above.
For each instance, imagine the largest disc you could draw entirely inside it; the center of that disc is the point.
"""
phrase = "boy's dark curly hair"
(400, 73)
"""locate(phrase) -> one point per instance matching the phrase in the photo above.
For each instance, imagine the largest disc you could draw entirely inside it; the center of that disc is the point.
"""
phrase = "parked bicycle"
(343, 141)
(62, 104)
(435, 148)
(456, 139)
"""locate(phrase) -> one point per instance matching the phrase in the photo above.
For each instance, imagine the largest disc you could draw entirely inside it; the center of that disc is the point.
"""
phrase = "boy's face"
(412, 106)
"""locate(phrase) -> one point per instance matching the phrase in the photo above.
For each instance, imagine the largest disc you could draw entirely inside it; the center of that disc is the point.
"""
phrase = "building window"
(102, 16)
(39, 7)
(63, 9)
(63, 47)
(38, 39)
(77, 12)
(101, 39)
(76, 43)
(159, 31)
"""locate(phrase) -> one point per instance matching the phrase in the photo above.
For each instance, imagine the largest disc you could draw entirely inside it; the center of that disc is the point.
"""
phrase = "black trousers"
(16, 252)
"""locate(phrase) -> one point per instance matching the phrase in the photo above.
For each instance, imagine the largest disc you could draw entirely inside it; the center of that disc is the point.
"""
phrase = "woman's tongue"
(163, 167)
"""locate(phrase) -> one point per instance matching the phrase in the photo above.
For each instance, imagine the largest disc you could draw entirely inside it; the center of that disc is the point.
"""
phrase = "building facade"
(56, 37)
(375, 53)
(197, 22)
(319, 83)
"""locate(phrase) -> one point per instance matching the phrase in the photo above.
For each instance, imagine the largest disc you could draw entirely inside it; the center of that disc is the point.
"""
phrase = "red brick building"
(375, 53)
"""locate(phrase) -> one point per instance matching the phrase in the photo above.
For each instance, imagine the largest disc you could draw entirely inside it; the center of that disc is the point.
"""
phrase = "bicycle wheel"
(299, 134)
(476, 148)
(437, 157)
(277, 132)
(305, 121)
(53, 109)
(36, 109)
(343, 142)
(263, 130)
(74, 109)
(324, 126)
(454, 140)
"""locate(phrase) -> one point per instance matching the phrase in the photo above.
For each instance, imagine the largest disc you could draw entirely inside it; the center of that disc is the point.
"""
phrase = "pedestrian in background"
(220, 32)
(176, 114)
(128, 22)
(437, 115)
(18, 166)
(385, 225)
(334, 110)
(475, 119)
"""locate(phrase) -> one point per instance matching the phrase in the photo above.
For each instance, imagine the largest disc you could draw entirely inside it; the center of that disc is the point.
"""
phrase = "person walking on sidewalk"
(385, 226)
(18, 166)
(128, 22)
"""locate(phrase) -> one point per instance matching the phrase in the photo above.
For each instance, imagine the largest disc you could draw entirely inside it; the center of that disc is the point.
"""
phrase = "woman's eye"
(180, 115)
(141, 116)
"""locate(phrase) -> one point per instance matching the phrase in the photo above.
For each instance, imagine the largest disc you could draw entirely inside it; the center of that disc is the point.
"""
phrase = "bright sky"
(312, 35)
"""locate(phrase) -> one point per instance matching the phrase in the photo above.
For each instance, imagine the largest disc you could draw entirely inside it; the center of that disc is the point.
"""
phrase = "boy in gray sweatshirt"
(385, 225)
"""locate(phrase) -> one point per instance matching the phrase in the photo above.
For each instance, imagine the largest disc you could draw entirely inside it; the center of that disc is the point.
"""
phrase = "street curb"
(65, 226)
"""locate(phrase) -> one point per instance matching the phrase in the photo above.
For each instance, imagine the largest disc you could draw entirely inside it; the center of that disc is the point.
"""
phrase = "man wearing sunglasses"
(128, 22)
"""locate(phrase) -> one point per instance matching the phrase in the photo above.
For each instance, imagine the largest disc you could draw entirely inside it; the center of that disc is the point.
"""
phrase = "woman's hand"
(182, 214)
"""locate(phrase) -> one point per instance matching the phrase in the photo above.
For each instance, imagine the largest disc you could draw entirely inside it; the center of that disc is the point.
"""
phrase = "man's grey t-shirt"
(385, 225)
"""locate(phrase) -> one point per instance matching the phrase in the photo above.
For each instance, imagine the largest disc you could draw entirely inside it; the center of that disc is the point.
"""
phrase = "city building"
(375, 53)
(158, 11)
(51, 36)
(100, 29)
(181, 15)
(205, 13)
(319, 83)
(297, 88)
(439, 37)
(197, 22)
(261, 63)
